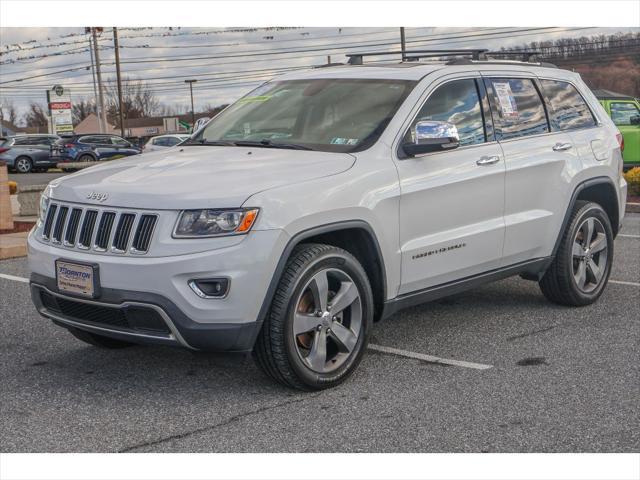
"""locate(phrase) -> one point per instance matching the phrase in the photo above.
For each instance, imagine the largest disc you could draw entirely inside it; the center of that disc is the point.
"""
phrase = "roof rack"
(525, 54)
(412, 55)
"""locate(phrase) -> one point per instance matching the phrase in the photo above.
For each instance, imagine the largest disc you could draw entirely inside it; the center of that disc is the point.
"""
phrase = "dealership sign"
(59, 100)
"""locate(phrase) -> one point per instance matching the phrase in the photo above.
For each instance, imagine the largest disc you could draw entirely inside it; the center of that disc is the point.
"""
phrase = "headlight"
(42, 207)
(210, 223)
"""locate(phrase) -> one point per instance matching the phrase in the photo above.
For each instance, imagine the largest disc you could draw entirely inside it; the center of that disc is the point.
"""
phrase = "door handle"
(559, 147)
(488, 160)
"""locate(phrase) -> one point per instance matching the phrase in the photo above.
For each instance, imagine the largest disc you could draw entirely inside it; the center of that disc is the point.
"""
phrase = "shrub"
(13, 187)
(633, 179)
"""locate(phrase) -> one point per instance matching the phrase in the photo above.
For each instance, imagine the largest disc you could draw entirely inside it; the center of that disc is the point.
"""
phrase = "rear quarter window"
(567, 109)
(518, 108)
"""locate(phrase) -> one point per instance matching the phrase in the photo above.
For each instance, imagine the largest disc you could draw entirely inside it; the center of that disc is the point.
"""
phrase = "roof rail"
(411, 55)
(525, 54)
(466, 61)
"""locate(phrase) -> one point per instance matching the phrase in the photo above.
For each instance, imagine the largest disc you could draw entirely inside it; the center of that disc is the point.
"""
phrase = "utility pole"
(193, 113)
(93, 74)
(115, 45)
(403, 46)
(96, 54)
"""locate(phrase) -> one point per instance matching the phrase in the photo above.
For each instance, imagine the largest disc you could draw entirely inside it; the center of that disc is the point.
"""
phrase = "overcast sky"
(160, 52)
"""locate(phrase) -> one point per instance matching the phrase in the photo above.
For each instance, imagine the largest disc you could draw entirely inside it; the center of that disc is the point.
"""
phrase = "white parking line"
(14, 278)
(428, 358)
(620, 282)
(628, 236)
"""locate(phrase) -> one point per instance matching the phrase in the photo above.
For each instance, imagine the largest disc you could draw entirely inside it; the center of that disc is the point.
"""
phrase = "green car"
(625, 113)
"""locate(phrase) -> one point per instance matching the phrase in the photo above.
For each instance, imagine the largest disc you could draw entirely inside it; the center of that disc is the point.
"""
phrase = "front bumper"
(138, 317)
(159, 286)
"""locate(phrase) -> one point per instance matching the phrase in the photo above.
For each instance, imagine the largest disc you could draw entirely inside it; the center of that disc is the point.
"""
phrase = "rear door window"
(621, 112)
(568, 110)
(517, 106)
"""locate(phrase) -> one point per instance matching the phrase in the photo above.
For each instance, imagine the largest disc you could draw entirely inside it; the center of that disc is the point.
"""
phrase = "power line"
(322, 48)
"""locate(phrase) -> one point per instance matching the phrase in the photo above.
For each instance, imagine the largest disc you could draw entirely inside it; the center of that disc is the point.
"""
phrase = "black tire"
(23, 164)
(277, 350)
(86, 158)
(559, 284)
(99, 340)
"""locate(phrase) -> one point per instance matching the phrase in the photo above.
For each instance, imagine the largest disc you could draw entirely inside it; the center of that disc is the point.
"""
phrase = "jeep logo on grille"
(97, 196)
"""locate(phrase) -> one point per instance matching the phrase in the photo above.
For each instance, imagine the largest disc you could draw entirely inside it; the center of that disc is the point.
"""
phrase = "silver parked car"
(27, 153)
(164, 141)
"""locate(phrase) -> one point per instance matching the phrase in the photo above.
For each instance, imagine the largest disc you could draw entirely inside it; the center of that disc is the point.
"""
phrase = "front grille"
(72, 228)
(48, 223)
(60, 220)
(101, 230)
(86, 232)
(129, 318)
(104, 230)
(142, 237)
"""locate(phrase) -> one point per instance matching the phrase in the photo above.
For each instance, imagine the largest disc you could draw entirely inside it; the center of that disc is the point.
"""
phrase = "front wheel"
(580, 270)
(317, 328)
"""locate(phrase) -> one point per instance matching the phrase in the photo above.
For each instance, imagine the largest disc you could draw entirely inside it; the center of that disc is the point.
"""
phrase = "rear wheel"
(581, 268)
(99, 340)
(317, 328)
(86, 158)
(23, 164)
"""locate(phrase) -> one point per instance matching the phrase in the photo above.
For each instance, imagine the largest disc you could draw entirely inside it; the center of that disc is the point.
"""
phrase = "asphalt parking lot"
(35, 178)
(560, 380)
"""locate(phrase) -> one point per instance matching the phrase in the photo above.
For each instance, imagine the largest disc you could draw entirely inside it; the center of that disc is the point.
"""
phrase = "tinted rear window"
(568, 109)
(518, 107)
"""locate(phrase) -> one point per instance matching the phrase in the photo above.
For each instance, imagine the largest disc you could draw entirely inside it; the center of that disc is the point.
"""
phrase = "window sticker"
(506, 99)
(259, 98)
(344, 141)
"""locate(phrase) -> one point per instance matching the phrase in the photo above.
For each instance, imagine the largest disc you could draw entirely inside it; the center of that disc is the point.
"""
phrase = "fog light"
(210, 287)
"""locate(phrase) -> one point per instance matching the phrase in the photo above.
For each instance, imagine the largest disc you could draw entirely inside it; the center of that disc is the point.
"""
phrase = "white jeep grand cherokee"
(327, 200)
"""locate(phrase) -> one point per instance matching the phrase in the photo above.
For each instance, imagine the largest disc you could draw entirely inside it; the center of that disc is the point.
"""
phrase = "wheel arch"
(355, 236)
(81, 154)
(600, 190)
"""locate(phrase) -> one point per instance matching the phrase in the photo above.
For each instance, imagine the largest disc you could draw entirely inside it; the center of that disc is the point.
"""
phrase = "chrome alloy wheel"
(589, 254)
(328, 320)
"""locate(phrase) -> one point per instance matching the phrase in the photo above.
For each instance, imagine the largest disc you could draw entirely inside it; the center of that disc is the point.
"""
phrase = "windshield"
(331, 115)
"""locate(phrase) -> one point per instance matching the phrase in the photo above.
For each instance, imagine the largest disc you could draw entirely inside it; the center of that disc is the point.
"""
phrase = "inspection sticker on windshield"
(506, 99)
(344, 141)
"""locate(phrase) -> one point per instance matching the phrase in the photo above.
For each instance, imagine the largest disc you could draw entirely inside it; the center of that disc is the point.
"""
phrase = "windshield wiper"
(266, 143)
(216, 143)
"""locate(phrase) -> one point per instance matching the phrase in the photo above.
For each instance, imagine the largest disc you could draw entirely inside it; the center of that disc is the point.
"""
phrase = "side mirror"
(432, 136)
(635, 120)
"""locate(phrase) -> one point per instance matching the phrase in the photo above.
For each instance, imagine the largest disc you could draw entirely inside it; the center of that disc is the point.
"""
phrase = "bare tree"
(138, 100)
(8, 112)
(81, 110)
(36, 116)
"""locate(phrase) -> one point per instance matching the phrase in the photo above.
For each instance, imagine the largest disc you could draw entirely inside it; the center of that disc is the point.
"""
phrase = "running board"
(530, 267)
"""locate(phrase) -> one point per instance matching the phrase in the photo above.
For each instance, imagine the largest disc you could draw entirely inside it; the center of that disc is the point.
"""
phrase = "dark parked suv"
(91, 148)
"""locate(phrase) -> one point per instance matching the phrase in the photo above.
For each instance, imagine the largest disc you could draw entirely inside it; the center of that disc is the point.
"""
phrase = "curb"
(13, 245)
(632, 207)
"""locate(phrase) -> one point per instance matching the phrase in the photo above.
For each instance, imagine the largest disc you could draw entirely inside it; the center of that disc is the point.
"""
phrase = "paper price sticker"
(506, 99)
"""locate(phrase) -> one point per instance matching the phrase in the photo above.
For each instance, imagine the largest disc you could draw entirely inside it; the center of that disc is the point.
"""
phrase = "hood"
(195, 176)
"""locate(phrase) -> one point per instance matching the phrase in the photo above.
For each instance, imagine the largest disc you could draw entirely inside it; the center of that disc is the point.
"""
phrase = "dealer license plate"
(76, 278)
